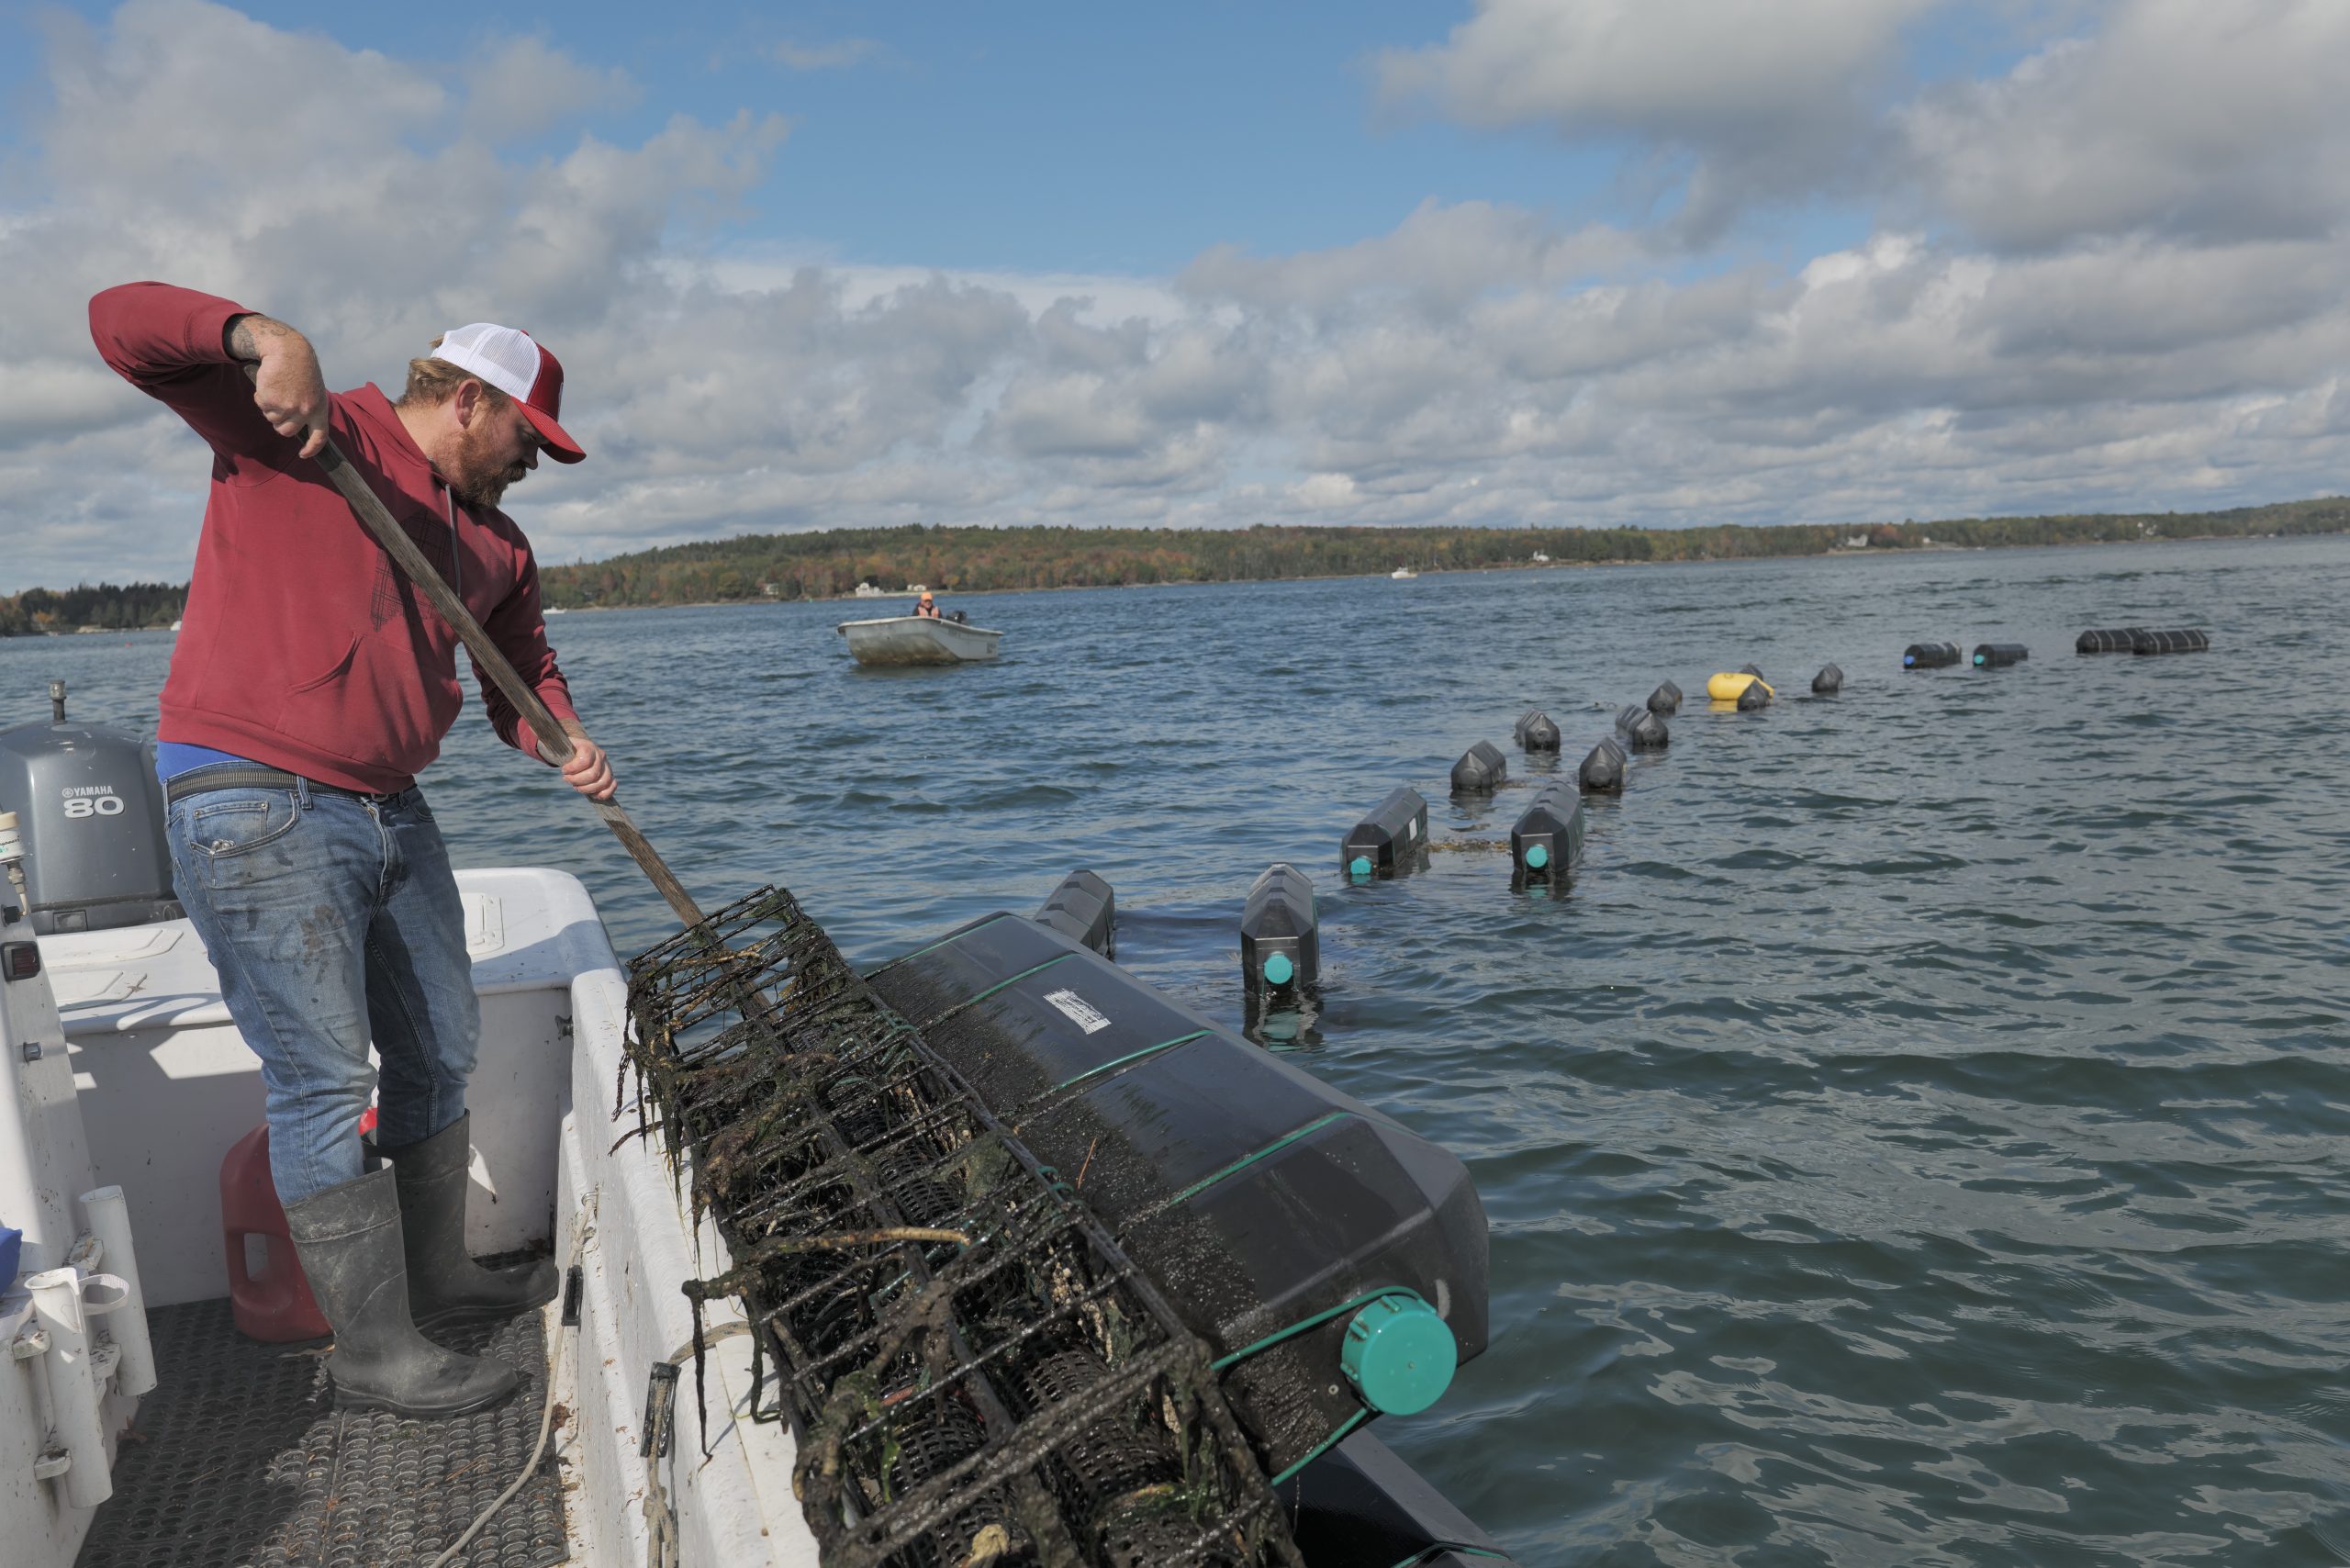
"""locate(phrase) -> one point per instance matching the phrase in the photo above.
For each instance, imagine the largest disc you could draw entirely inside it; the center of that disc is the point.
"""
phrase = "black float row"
(1280, 935)
(2139, 640)
(2098, 640)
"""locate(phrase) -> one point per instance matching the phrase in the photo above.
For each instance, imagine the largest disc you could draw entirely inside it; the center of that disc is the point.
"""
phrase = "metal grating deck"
(240, 1458)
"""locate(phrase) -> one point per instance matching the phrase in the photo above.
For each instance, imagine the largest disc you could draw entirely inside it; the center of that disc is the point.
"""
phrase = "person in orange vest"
(927, 605)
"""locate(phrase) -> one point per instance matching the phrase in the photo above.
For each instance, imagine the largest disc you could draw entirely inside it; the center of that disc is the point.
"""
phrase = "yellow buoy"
(1728, 685)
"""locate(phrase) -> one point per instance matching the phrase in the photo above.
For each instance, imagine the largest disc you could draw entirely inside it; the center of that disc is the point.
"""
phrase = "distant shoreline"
(826, 565)
(967, 562)
(1892, 553)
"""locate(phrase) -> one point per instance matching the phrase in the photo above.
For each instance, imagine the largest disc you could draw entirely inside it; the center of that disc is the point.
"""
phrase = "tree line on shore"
(133, 607)
(980, 560)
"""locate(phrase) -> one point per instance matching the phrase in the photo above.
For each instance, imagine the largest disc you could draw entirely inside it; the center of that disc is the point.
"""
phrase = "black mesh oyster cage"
(976, 1372)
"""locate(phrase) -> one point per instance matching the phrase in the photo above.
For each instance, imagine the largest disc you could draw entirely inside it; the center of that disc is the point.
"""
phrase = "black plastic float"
(1827, 682)
(1334, 1261)
(1665, 699)
(1756, 695)
(2109, 640)
(1391, 840)
(1547, 839)
(2184, 640)
(1754, 670)
(1480, 771)
(1996, 655)
(1641, 730)
(1930, 655)
(1281, 948)
(1358, 1503)
(1536, 730)
(1084, 910)
(1602, 772)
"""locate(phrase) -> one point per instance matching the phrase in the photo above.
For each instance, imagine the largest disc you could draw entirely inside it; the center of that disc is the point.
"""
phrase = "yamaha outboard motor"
(91, 811)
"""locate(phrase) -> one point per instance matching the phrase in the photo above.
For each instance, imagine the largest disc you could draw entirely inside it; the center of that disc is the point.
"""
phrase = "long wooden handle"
(553, 742)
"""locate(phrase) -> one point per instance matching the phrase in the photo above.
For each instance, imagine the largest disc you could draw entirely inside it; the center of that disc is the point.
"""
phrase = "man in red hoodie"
(309, 686)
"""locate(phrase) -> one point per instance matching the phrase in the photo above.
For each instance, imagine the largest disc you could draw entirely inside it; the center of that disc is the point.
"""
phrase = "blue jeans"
(330, 919)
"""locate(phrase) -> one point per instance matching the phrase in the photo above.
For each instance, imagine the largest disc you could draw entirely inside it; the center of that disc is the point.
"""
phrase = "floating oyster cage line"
(974, 1370)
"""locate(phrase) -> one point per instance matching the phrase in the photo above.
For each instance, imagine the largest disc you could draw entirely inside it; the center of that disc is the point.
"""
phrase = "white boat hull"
(152, 1084)
(918, 640)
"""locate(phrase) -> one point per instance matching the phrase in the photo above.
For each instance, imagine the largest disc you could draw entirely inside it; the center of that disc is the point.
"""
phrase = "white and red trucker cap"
(512, 362)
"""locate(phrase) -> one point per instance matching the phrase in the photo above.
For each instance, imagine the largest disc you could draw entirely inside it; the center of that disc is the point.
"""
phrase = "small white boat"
(918, 640)
(1402, 574)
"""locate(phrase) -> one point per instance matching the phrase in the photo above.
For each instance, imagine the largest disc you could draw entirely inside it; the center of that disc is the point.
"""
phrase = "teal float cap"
(1537, 855)
(1278, 969)
(1359, 866)
(1399, 1355)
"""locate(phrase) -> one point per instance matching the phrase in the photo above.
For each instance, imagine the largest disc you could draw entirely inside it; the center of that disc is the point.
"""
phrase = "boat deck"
(239, 1458)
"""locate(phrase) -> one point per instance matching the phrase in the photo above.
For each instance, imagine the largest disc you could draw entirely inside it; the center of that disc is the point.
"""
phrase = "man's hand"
(287, 387)
(588, 771)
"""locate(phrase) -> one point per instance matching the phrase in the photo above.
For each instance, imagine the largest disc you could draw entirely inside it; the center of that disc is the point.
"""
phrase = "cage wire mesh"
(976, 1372)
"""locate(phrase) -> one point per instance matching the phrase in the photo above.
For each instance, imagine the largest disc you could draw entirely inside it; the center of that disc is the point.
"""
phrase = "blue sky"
(1046, 137)
(1498, 261)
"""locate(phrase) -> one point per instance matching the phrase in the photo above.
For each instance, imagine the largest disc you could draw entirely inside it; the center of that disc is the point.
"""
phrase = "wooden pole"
(553, 742)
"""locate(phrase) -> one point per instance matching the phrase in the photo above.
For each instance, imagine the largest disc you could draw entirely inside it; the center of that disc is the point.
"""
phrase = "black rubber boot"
(348, 1237)
(445, 1286)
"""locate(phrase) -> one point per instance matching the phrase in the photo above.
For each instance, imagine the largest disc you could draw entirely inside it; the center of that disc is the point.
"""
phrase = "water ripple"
(1917, 1139)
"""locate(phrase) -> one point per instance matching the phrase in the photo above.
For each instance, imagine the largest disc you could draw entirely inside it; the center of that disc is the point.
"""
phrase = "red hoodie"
(302, 646)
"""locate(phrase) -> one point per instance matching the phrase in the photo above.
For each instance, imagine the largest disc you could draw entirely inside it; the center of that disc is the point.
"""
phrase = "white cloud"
(2180, 118)
(1478, 363)
(1694, 70)
(1732, 99)
(520, 87)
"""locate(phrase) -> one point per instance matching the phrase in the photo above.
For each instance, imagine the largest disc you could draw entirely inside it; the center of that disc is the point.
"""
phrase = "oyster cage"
(976, 1373)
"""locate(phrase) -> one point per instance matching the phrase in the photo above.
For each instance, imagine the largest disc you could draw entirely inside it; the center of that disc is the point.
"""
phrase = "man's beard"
(474, 474)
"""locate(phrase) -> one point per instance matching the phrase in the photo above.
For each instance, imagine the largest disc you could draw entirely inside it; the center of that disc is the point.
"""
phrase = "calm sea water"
(1918, 1138)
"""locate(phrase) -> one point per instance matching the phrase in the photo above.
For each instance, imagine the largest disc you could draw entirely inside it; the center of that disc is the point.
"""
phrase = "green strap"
(1009, 980)
(1434, 1547)
(1205, 1183)
(1129, 1058)
(1318, 1449)
(1319, 1319)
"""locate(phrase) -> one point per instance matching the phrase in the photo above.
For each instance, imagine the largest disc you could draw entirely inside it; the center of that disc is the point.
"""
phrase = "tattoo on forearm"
(245, 332)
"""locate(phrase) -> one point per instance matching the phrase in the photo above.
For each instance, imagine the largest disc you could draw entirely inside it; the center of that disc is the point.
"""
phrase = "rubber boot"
(348, 1237)
(445, 1286)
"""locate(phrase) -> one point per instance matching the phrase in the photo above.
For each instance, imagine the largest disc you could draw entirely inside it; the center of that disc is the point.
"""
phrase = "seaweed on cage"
(976, 1372)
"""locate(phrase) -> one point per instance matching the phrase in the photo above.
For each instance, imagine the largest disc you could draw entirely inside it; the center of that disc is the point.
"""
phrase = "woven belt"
(204, 780)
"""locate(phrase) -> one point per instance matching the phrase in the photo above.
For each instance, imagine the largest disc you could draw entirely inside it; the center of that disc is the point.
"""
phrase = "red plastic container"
(274, 1304)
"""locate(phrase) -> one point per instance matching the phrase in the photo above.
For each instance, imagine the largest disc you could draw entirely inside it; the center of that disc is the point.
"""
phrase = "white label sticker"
(1412, 828)
(1078, 1011)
